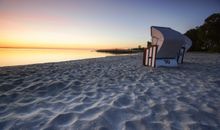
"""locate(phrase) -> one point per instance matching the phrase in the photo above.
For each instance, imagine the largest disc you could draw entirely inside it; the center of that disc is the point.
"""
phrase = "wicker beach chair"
(167, 49)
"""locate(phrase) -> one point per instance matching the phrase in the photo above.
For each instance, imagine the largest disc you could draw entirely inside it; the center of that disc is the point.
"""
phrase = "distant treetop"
(207, 36)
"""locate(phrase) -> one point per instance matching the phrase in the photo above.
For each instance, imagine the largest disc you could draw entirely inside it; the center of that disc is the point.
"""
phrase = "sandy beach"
(112, 93)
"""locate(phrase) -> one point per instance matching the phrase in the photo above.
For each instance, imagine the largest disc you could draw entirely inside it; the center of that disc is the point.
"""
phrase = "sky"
(95, 23)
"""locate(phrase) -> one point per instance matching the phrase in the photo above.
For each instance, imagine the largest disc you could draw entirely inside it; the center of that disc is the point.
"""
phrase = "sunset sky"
(95, 23)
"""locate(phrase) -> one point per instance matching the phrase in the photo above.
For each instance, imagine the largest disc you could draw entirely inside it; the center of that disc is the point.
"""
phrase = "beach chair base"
(149, 58)
(166, 62)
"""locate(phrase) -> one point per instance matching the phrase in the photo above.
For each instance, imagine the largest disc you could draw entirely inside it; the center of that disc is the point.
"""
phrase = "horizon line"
(61, 48)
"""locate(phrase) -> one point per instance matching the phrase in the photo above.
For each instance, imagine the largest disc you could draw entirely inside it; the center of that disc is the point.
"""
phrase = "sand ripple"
(113, 93)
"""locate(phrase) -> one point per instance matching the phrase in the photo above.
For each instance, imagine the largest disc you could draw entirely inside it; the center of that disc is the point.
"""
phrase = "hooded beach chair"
(167, 48)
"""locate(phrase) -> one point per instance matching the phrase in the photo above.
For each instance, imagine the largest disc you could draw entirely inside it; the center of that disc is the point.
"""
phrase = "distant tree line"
(207, 36)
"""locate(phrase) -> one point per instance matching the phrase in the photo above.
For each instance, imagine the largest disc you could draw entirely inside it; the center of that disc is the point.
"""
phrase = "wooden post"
(149, 57)
(180, 56)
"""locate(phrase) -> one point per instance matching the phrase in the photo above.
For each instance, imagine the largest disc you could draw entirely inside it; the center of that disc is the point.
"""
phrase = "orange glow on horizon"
(18, 34)
(35, 30)
(43, 39)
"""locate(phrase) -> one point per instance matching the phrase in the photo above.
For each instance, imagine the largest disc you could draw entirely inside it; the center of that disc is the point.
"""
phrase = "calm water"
(11, 57)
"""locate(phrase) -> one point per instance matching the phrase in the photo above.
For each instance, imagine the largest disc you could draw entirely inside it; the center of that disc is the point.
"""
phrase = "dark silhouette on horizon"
(206, 37)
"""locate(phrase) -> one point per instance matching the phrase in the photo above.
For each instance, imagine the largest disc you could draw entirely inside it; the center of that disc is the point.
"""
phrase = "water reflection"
(10, 57)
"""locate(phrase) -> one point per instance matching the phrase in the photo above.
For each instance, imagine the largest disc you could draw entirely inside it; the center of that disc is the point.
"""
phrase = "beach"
(112, 93)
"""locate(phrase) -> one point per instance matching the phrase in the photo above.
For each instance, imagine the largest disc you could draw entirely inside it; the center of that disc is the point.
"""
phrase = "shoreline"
(57, 62)
(119, 55)
(114, 92)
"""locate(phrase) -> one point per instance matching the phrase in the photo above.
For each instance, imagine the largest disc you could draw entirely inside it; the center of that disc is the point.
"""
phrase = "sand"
(112, 93)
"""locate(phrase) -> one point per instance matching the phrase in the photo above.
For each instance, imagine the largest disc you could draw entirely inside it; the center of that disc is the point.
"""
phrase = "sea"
(24, 56)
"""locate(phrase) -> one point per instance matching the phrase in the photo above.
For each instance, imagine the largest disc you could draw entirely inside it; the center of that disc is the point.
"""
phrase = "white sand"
(113, 93)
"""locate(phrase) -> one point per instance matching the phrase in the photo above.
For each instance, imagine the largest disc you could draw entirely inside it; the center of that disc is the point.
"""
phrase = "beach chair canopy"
(169, 41)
